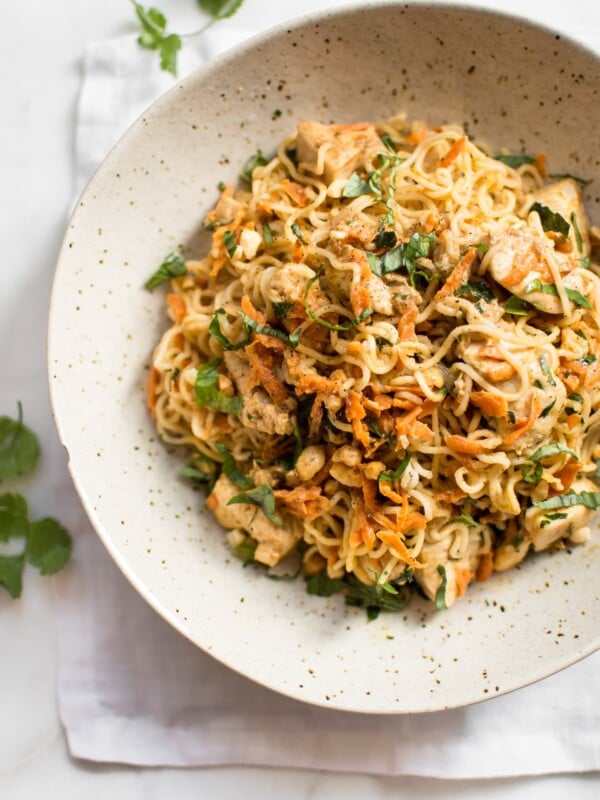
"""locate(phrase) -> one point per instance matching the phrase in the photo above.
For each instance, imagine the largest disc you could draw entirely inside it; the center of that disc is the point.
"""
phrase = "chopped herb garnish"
(192, 471)
(333, 326)
(385, 239)
(371, 598)
(511, 417)
(440, 595)
(548, 409)
(584, 263)
(298, 233)
(267, 233)
(221, 186)
(588, 359)
(231, 471)
(256, 160)
(552, 450)
(517, 541)
(587, 499)
(549, 288)
(356, 186)
(576, 397)
(280, 309)
(276, 114)
(229, 240)
(262, 497)
(551, 220)
(387, 140)
(515, 161)
(245, 550)
(404, 256)
(467, 519)
(173, 266)
(561, 175)
(387, 477)
(215, 330)
(483, 248)
(517, 306)
(578, 239)
(531, 473)
(543, 361)
(209, 396)
(291, 339)
(478, 289)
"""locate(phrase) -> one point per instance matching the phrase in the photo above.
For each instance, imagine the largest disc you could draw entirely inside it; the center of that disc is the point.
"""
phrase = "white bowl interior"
(511, 85)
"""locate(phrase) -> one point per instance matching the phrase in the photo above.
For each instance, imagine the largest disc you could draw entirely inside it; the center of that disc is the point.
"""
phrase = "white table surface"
(40, 64)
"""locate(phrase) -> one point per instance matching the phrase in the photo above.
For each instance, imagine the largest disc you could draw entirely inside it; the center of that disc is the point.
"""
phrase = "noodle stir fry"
(388, 361)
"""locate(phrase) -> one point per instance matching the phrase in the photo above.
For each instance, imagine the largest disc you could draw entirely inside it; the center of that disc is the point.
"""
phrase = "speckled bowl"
(511, 84)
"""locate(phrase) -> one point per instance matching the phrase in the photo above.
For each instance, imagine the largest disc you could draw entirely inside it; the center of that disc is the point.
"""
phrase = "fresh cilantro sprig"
(154, 34)
(372, 598)
(44, 543)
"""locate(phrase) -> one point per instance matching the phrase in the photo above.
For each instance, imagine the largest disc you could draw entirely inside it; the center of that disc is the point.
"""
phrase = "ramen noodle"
(387, 363)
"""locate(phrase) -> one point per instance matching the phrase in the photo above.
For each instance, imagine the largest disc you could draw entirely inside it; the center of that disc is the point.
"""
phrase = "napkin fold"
(132, 690)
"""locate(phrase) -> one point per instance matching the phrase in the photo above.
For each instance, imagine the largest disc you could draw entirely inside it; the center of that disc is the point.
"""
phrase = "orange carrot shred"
(177, 306)
(491, 404)
(485, 567)
(459, 275)
(153, 382)
(454, 152)
(461, 444)
(522, 428)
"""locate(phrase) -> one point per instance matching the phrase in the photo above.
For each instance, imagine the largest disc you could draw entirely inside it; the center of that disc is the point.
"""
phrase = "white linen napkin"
(133, 690)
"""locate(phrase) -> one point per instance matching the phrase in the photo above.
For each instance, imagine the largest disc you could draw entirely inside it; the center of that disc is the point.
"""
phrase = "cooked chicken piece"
(227, 208)
(564, 198)
(259, 412)
(289, 285)
(544, 530)
(509, 554)
(516, 259)
(274, 542)
(459, 572)
(346, 148)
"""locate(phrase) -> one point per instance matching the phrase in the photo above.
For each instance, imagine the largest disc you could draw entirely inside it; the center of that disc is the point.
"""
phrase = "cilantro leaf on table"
(19, 447)
(48, 545)
(14, 517)
(11, 574)
(220, 9)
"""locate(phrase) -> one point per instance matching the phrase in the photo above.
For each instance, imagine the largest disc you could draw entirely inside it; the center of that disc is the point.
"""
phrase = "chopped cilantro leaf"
(262, 497)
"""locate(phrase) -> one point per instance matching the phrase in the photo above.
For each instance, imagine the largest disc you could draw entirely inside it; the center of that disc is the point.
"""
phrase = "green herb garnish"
(387, 477)
(19, 447)
(515, 161)
(517, 306)
(333, 326)
(245, 550)
(404, 256)
(548, 409)
(154, 36)
(578, 239)
(231, 471)
(467, 519)
(545, 367)
(478, 289)
(262, 497)
(355, 186)
(267, 233)
(561, 175)
(551, 220)
(298, 233)
(215, 331)
(587, 499)
(549, 288)
(552, 450)
(207, 394)
(531, 473)
(440, 595)
(256, 160)
(229, 240)
(173, 266)
(281, 309)
(291, 339)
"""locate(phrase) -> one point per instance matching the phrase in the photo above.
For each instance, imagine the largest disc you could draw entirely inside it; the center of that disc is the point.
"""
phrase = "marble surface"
(40, 62)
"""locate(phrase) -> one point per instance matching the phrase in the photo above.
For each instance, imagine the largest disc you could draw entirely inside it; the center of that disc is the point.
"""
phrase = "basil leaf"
(220, 9)
(291, 339)
(576, 397)
(404, 256)
(552, 450)
(467, 519)
(256, 160)
(14, 517)
(478, 289)
(387, 140)
(298, 233)
(589, 359)
(561, 175)
(356, 186)
(387, 477)
(281, 309)
(203, 474)
(245, 550)
(515, 161)
(549, 288)
(517, 306)
(587, 499)
(531, 473)
(385, 239)
(324, 586)
(548, 409)
(584, 263)
(231, 471)
(262, 497)
(11, 574)
(207, 394)
(483, 248)
(578, 239)
(440, 595)
(19, 447)
(48, 545)
(372, 598)
(551, 220)
(215, 330)
(173, 266)
(545, 367)
(229, 240)
(267, 233)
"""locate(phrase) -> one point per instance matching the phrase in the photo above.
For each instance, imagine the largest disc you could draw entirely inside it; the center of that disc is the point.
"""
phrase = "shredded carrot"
(316, 384)
(297, 251)
(355, 413)
(403, 521)
(451, 496)
(153, 382)
(492, 404)
(573, 421)
(295, 191)
(387, 491)
(459, 275)
(306, 502)
(541, 164)
(332, 557)
(416, 137)
(370, 495)
(485, 567)
(461, 444)
(462, 579)
(522, 267)
(263, 364)
(406, 326)
(395, 542)
(453, 153)
(362, 531)
(360, 297)
(523, 427)
(568, 474)
(177, 306)
(500, 371)
(250, 311)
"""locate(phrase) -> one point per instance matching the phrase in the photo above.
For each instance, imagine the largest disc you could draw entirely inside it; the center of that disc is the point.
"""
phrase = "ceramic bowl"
(510, 84)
